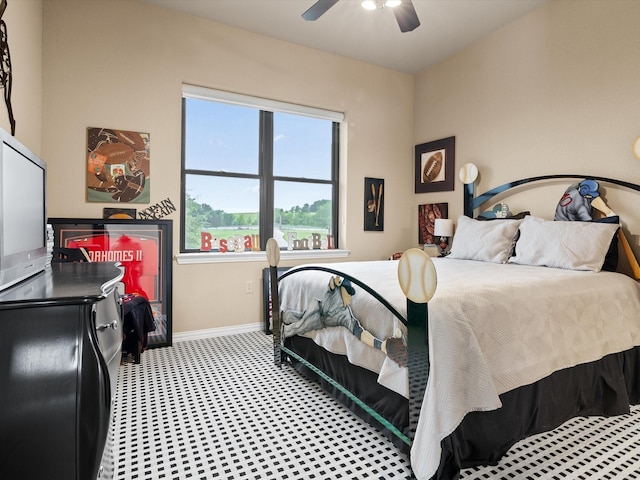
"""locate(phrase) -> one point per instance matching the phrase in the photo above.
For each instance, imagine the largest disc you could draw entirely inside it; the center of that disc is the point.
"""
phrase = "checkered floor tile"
(219, 408)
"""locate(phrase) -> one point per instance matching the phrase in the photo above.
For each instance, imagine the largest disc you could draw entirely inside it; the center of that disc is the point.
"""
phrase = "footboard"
(417, 279)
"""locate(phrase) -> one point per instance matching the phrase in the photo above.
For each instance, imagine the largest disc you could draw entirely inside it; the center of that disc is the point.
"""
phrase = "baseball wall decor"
(373, 204)
(435, 163)
(427, 216)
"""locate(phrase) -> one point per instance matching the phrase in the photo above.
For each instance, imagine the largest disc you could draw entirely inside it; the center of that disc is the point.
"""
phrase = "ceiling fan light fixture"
(369, 4)
(404, 11)
(374, 4)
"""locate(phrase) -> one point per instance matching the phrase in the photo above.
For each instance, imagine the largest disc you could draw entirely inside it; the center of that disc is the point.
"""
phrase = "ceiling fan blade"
(406, 16)
(318, 9)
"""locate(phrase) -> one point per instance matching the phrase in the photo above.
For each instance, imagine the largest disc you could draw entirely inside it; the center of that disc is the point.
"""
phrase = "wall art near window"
(6, 76)
(435, 164)
(118, 163)
(427, 215)
(143, 247)
(374, 204)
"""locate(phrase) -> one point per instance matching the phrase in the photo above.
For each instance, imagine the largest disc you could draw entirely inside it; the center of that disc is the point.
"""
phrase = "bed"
(518, 341)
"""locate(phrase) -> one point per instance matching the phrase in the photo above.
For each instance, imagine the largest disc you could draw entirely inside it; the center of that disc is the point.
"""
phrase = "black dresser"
(60, 340)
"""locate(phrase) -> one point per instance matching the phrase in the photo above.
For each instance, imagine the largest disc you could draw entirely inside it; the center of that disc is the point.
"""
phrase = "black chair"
(62, 255)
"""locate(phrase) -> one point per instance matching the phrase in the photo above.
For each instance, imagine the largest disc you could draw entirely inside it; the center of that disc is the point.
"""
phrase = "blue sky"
(224, 137)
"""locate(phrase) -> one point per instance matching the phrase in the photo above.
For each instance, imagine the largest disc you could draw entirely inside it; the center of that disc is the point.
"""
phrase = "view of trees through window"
(305, 219)
(249, 171)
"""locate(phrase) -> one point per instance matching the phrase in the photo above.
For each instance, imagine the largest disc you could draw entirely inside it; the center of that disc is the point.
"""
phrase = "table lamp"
(443, 228)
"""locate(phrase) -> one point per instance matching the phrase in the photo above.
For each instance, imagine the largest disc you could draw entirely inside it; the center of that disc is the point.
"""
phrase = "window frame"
(265, 175)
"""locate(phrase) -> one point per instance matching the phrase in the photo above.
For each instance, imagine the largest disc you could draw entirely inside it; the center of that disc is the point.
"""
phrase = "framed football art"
(435, 164)
(117, 166)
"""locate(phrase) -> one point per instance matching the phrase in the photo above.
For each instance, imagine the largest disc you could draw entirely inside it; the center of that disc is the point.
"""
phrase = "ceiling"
(447, 26)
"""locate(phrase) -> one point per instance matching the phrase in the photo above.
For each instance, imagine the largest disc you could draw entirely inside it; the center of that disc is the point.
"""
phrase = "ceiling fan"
(404, 12)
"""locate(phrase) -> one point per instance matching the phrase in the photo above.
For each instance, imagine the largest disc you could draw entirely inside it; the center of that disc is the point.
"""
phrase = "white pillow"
(486, 241)
(561, 244)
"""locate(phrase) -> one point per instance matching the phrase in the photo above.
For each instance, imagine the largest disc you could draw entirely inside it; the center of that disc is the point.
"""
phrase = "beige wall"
(556, 91)
(553, 92)
(121, 65)
(24, 35)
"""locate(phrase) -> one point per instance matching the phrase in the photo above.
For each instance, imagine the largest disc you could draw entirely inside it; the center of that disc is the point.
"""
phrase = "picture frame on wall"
(115, 213)
(427, 215)
(118, 166)
(373, 204)
(435, 166)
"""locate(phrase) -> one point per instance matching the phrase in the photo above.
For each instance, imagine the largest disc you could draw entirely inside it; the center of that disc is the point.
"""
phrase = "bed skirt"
(391, 405)
(606, 387)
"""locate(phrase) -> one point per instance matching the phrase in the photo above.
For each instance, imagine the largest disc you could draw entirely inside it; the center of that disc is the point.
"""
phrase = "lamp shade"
(443, 227)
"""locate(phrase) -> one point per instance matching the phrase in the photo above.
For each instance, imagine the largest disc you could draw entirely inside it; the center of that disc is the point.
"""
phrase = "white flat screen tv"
(23, 217)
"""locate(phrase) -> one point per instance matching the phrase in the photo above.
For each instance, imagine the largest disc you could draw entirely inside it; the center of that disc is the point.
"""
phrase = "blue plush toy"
(575, 204)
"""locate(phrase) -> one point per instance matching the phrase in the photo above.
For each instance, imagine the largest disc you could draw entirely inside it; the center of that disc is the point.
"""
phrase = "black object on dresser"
(60, 339)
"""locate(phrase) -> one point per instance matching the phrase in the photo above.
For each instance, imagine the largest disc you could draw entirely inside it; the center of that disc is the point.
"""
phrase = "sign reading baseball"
(432, 167)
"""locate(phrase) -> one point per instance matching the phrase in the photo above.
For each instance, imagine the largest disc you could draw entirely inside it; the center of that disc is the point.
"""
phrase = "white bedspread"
(303, 288)
(493, 328)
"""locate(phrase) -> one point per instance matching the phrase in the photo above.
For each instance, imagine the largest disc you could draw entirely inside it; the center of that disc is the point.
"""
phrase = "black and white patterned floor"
(218, 408)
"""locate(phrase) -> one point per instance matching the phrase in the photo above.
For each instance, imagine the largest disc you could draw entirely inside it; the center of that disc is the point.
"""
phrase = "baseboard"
(217, 332)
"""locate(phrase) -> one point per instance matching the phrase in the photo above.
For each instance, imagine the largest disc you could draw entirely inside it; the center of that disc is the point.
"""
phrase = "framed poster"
(435, 163)
(118, 166)
(427, 215)
(143, 247)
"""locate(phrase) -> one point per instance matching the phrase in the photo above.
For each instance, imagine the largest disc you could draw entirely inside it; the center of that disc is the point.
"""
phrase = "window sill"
(197, 258)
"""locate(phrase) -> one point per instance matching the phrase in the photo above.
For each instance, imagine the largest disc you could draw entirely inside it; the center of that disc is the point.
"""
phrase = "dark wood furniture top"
(60, 337)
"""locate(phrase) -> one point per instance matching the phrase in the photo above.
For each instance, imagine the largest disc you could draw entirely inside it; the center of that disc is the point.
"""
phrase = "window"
(253, 169)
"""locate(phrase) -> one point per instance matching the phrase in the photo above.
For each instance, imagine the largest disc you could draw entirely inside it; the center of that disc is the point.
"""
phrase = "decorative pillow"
(484, 241)
(561, 244)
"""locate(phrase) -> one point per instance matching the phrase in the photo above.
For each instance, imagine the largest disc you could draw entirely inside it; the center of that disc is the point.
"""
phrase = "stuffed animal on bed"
(578, 203)
(575, 204)
(333, 310)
